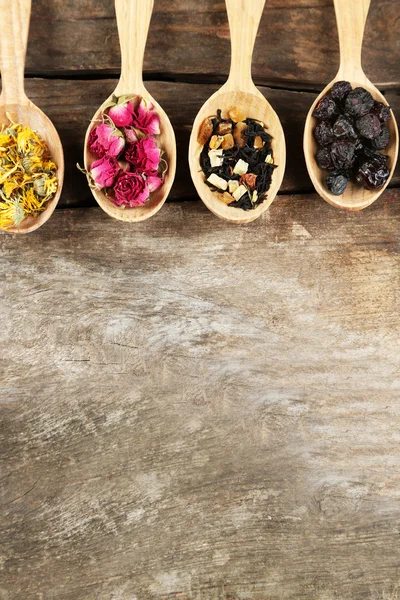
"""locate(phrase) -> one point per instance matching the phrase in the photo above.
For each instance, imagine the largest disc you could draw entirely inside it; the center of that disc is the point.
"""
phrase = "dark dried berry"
(382, 141)
(372, 174)
(324, 159)
(323, 133)
(340, 90)
(369, 126)
(369, 153)
(381, 111)
(343, 127)
(343, 154)
(336, 182)
(358, 102)
(326, 108)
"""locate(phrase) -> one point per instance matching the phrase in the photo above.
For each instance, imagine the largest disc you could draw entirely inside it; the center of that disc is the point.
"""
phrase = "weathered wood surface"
(192, 410)
(297, 43)
(71, 105)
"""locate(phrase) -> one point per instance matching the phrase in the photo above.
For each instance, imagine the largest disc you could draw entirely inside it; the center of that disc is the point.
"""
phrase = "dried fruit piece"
(233, 185)
(324, 134)
(340, 90)
(217, 181)
(343, 154)
(241, 167)
(238, 134)
(324, 159)
(372, 174)
(216, 158)
(226, 198)
(336, 182)
(326, 108)
(358, 102)
(224, 128)
(382, 111)
(236, 114)
(382, 140)
(205, 131)
(216, 142)
(228, 142)
(249, 180)
(369, 126)
(239, 192)
(343, 127)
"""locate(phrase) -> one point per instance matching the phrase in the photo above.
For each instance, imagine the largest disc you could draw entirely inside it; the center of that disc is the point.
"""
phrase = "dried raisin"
(369, 126)
(326, 109)
(324, 134)
(336, 182)
(340, 90)
(358, 102)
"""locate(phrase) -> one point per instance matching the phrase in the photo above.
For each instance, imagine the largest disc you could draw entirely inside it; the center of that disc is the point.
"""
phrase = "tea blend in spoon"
(351, 131)
(28, 178)
(128, 163)
(236, 158)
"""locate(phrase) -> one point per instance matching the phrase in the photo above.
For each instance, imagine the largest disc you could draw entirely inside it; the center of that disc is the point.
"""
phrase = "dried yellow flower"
(27, 174)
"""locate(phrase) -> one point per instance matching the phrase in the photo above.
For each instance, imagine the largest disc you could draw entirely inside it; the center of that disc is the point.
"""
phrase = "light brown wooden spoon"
(351, 16)
(239, 91)
(133, 19)
(14, 19)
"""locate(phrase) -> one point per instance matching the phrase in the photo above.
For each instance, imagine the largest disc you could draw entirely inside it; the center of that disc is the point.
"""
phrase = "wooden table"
(193, 410)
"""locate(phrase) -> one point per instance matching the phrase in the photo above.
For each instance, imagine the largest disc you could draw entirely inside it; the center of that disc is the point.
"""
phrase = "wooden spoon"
(14, 18)
(133, 19)
(351, 17)
(239, 91)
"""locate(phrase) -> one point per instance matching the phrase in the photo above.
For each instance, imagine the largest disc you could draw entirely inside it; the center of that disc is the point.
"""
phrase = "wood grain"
(297, 44)
(71, 105)
(194, 411)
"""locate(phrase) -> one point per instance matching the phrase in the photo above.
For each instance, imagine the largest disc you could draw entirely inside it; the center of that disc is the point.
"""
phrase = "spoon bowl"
(351, 18)
(255, 106)
(239, 92)
(133, 19)
(14, 102)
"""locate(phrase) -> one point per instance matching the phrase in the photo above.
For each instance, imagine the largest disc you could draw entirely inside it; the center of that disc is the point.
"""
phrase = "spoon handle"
(351, 16)
(133, 20)
(244, 20)
(14, 19)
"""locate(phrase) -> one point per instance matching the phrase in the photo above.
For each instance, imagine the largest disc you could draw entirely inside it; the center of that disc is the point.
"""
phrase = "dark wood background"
(192, 410)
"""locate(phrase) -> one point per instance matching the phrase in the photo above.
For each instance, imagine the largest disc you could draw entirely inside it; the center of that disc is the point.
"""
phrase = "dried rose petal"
(130, 135)
(122, 114)
(104, 171)
(105, 139)
(131, 190)
(144, 155)
(154, 182)
(145, 119)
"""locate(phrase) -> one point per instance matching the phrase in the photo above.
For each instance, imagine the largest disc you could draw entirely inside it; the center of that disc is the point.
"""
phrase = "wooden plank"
(71, 105)
(196, 411)
(297, 43)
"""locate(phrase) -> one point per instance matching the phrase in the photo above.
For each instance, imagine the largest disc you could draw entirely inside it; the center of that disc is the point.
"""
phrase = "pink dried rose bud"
(105, 139)
(122, 114)
(131, 190)
(144, 155)
(130, 135)
(145, 119)
(104, 171)
(154, 182)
